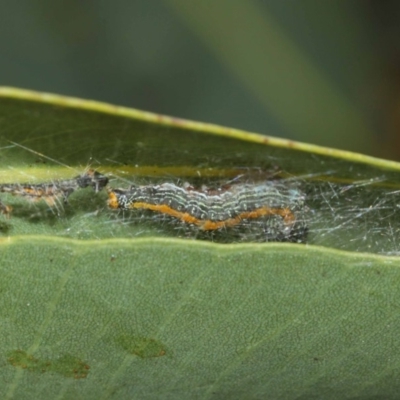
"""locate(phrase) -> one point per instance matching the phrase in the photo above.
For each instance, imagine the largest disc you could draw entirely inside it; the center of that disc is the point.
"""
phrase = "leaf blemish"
(66, 365)
(142, 347)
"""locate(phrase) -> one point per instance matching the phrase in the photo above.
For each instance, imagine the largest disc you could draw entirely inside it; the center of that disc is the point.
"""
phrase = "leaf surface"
(93, 307)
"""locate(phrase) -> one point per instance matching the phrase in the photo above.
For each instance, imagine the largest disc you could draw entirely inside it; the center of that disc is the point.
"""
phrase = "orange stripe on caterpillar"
(250, 206)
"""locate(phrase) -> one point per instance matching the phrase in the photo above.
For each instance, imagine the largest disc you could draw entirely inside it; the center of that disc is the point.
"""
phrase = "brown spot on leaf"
(66, 365)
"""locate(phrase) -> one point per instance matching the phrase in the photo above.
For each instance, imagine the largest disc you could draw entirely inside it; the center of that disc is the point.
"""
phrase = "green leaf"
(93, 305)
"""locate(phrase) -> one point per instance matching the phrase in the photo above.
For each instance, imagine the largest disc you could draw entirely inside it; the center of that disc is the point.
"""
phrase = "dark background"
(325, 72)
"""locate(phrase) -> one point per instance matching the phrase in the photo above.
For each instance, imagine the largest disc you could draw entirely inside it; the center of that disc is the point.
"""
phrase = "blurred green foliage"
(320, 72)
